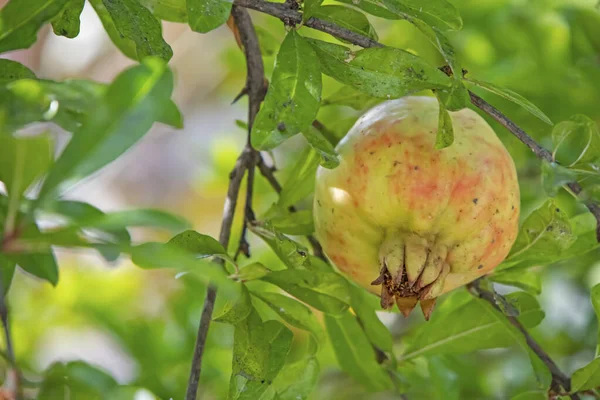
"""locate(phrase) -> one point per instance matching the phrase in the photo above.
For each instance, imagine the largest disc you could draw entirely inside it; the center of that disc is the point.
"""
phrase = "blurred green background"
(139, 326)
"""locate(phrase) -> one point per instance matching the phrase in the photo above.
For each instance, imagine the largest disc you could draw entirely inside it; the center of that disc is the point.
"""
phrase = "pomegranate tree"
(408, 221)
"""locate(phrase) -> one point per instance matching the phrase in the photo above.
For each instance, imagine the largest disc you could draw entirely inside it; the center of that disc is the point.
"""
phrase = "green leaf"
(346, 18)
(444, 378)
(468, 326)
(301, 181)
(348, 96)
(293, 312)
(329, 157)
(12, 71)
(309, 7)
(546, 233)
(168, 10)
(75, 380)
(595, 297)
(122, 116)
(325, 291)
(511, 96)
(22, 19)
(253, 271)
(23, 160)
(375, 330)
(354, 352)
(384, 72)
(121, 219)
(134, 22)
(291, 253)
(206, 15)
(528, 280)
(291, 223)
(235, 311)
(41, 264)
(577, 136)
(445, 133)
(439, 14)
(440, 42)
(373, 7)
(269, 44)
(555, 176)
(297, 380)
(456, 98)
(259, 353)
(532, 395)
(67, 22)
(587, 377)
(7, 271)
(199, 244)
(294, 94)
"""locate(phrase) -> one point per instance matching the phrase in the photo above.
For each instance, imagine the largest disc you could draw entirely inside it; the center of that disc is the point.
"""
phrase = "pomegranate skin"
(418, 221)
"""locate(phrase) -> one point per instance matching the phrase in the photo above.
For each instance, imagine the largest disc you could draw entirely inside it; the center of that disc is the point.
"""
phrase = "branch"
(290, 16)
(559, 379)
(12, 383)
(245, 162)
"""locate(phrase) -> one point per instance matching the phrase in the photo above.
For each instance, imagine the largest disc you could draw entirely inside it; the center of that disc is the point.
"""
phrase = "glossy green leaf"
(528, 280)
(67, 22)
(20, 21)
(348, 96)
(23, 160)
(235, 311)
(511, 96)
(134, 22)
(595, 297)
(347, 18)
(206, 15)
(197, 243)
(329, 157)
(293, 312)
(131, 218)
(269, 44)
(445, 132)
(12, 71)
(354, 352)
(300, 183)
(469, 326)
(555, 177)
(292, 223)
(294, 94)
(325, 291)
(587, 377)
(456, 97)
(41, 264)
(373, 7)
(439, 14)
(384, 72)
(125, 113)
(75, 379)
(292, 254)
(259, 353)
(168, 10)
(444, 378)
(546, 232)
(576, 141)
(375, 330)
(297, 380)
(309, 7)
(253, 271)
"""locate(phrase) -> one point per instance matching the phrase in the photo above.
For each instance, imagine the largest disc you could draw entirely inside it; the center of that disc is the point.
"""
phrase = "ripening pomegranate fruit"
(417, 221)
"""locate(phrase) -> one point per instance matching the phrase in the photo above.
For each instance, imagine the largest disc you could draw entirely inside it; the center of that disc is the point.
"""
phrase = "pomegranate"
(407, 221)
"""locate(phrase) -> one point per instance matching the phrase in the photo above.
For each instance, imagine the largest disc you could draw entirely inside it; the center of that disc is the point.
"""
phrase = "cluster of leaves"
(106, 120)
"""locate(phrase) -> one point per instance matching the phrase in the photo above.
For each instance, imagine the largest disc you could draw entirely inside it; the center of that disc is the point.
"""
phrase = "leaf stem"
(245, 162)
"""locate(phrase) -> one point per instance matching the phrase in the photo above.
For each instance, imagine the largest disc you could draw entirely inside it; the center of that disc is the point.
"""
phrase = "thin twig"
(13, 381)
(290, 17)
(245, 162)
(559, 379)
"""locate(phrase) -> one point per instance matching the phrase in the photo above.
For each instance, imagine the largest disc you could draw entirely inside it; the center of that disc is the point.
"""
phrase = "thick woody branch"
(559, 379)
(246, 162)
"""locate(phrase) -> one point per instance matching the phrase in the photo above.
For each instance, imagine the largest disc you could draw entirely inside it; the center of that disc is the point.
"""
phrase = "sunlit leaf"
(440, 14)
(348, 96)
(511, 96)
(354, 352)
(375, 330)
(124, 114)
(292, 223)
(456, 97)
(309, 8)
(206, 15)
(12, 71)
(555, 176)
(373, 7)
(22, 19)
(294, 94)
(235, 311)
(587, 377)
(253, 271)
(384, 72)
(75, 379)
(576, 141)
(528, 280)
(329, 157)
(291, 253)
(67, 22)
(347, 18)
(168, 10)
(301, 182)
(126, 45)
(325, 291)
(297, 380)
(444, 378)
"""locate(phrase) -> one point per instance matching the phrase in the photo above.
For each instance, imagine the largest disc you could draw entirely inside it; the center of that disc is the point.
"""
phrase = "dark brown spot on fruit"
(475, 200)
